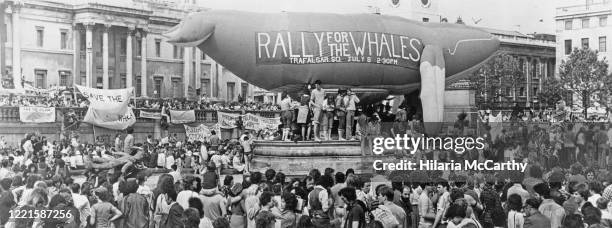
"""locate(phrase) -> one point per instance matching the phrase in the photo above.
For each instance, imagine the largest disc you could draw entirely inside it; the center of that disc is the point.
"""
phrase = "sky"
(526, 16)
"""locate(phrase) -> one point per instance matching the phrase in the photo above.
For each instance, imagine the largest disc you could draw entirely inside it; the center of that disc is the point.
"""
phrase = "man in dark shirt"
(134, 206)
(355, 217)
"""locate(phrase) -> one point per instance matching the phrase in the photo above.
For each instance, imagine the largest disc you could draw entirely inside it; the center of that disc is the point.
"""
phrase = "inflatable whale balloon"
(283, 51)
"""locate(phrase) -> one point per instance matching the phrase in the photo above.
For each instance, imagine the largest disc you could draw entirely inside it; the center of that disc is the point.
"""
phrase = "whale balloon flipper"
(432, 71)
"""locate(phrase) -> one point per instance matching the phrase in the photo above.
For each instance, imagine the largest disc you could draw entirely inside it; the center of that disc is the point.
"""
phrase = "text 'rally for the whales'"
(285, 47)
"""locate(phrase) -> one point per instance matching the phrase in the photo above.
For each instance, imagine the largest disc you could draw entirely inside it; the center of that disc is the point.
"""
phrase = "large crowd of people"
(568, 182)
(198, 191)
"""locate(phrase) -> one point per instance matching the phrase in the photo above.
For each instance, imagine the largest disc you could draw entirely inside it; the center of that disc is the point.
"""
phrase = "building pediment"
(112, 15)
(113, 20)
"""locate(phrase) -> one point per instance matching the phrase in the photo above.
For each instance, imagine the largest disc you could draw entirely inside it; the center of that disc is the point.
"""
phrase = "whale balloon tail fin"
(433, 77)
(191, 32)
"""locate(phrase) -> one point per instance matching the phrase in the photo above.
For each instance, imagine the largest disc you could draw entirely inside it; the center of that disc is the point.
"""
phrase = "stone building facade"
(109, 44)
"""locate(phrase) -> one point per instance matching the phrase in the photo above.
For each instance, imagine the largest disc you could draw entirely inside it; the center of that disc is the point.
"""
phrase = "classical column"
(545, 67)
(3, 30)
(186, 70)
(105, 78)
(198, 69)
(16, 25)
(217, 80)
(143, 64)
(128, 58)
(529, 79)
(76, 73)
(213, 78)
(88, 54)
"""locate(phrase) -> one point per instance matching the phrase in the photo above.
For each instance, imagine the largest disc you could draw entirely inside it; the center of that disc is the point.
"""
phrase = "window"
(99, 83)
(64, 77)
(158, 87)
(138, 47)
(39, 36)
(82, 41)
(177, 52)
(522, 91)
(585, 23)
(244, 90)
(157, 47)
(508, 91)
(123, 81)
(535, 90)
(176, 88)
(425, 19)
(123, 45)
(568, 25)
(63, 39)
(83, 78)
(203, 56)
(585, 43)
(41, 79)
(603, 21)
(205, 87)
(568, 47)
(138, 86)
(231, 87)
(602, 44)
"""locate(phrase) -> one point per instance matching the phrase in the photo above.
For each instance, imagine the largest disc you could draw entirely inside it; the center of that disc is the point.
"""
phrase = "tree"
(586, 77)
(552, 91)
(501, 73)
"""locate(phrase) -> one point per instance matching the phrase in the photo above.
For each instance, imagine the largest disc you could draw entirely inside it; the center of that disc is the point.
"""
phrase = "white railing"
(524, 40)
(592, 6)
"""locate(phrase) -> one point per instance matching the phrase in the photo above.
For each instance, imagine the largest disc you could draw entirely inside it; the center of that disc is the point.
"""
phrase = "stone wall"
(14, 132)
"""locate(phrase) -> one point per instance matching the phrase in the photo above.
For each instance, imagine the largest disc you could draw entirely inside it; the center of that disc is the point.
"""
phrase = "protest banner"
(227, 120)
(36, 114)
(121, 122)
(108, 108)
(150, 115)
(197, 133)
(114, 100)
(254, 122)
(182, 117)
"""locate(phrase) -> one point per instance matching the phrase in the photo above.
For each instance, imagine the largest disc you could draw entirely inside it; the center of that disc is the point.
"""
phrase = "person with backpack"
(356, 210)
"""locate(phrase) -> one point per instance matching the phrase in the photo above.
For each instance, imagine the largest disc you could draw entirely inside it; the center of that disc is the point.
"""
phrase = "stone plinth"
(298, 158)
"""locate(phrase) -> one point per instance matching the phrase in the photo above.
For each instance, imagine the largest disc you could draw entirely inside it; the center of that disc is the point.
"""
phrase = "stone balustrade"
(11, 114)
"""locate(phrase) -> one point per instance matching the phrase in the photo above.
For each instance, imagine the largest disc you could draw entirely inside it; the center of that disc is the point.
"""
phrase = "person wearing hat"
(317, 98)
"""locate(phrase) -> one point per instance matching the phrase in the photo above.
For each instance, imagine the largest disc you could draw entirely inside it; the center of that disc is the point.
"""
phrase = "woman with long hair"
(23, 216)
(515, 217)
(31, 180)
(165, 184)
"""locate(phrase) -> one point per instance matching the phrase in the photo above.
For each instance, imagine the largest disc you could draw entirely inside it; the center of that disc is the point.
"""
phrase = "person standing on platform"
(328, 116)
(350, 102)
(286, 115)
(317, 97)
(341, 113)
(303, 116)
